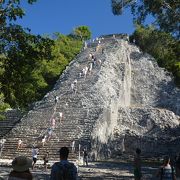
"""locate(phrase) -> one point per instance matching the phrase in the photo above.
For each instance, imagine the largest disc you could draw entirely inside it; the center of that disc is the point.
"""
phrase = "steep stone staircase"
(78, 119)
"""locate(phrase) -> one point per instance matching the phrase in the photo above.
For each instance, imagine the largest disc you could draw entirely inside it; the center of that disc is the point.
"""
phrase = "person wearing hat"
(21, 165)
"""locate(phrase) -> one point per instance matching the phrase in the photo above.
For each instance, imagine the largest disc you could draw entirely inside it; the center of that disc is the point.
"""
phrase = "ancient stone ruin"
(125, 102)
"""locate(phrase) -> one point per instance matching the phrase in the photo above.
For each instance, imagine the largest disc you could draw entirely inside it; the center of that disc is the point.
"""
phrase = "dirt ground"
(95, 171)
(117, 171)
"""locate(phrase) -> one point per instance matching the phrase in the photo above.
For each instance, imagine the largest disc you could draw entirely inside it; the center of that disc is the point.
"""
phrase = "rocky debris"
(151, 85)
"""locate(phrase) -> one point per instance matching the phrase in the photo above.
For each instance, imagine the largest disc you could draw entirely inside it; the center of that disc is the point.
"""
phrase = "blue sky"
(49, 16)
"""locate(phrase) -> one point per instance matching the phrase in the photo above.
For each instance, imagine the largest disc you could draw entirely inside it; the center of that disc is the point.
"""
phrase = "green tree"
(10, 10)
(3, 105)
(82, 32)
(64, 50)
(31, 64)
(21, 54)
(32, 67)
(166, 13)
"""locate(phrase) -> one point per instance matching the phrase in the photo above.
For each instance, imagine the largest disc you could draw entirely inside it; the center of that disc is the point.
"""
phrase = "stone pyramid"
(126, 101)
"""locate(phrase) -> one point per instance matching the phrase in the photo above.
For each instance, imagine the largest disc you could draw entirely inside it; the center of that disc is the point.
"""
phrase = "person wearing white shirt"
(35, 152)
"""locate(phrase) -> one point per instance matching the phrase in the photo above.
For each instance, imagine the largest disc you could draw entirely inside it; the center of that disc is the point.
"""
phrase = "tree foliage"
(165, 12)
(118, 5)
(82, 32)
(10, 10)
(30, 64)
(64, 50)
(23, 54)
(162, 46)
(3, 105)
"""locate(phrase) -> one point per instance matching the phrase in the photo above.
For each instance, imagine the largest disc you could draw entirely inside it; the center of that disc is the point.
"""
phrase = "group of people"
(35, 153)
(68, 171)
(88, 69)
(52, 124)
(84, 152)
(46, 136)
(168, 170)
(60, 170)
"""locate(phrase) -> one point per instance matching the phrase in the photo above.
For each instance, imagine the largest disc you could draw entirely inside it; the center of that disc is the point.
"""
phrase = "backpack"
(66, 171)
(172, 173)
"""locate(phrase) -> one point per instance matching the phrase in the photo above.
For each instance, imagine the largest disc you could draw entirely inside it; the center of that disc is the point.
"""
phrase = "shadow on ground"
(95, 171)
